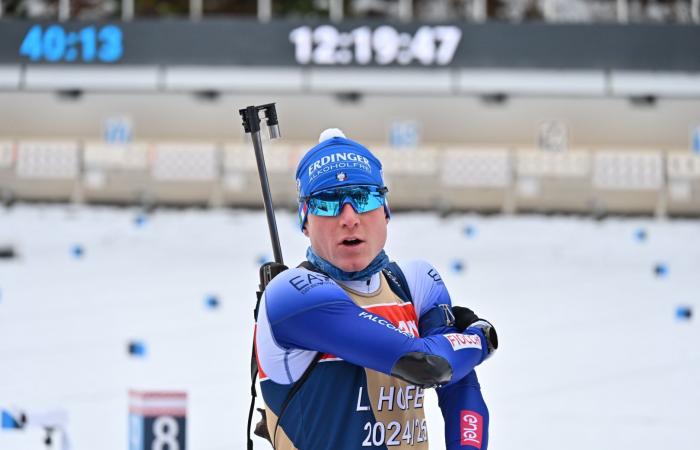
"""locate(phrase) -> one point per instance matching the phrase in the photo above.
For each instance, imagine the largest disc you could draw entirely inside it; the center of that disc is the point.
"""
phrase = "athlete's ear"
(305, 231)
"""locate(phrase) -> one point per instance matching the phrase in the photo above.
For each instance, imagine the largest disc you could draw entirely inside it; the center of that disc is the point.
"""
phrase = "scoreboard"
(244, 42)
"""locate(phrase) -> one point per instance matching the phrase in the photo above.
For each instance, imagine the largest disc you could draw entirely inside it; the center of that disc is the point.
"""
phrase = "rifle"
(251, 124)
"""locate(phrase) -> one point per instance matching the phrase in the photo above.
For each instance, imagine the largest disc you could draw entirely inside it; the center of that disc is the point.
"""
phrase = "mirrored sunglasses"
(330, 202)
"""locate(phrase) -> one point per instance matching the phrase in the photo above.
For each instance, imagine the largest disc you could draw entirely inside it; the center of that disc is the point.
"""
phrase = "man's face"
(349, 241)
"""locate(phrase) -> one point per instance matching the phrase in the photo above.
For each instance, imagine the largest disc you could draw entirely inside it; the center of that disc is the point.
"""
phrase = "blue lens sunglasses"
(329, 203)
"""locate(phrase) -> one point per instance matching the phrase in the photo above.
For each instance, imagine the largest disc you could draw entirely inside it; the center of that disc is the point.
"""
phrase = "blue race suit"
(350, 400)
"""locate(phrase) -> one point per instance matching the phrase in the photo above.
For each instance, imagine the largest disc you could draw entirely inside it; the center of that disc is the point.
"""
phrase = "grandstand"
(550, 105)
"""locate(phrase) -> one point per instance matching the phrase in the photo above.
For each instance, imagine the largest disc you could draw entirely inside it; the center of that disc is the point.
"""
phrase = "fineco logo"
(462, 341)
(338, 161)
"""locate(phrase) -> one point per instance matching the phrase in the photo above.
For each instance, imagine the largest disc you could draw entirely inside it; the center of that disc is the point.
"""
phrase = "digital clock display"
(54, 43)
(384, 45)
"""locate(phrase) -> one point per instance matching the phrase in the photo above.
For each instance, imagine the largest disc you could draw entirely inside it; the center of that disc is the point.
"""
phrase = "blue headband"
(335, 162)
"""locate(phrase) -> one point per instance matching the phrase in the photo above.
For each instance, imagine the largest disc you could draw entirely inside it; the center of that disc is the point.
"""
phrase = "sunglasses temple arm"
(251, 124)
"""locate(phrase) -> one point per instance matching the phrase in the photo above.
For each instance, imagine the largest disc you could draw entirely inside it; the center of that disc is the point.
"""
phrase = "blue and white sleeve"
(307, 310)
(465, 413)
(461, 402)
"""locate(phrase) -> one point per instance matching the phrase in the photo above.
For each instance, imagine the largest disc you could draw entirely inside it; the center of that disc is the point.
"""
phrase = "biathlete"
(348, 341)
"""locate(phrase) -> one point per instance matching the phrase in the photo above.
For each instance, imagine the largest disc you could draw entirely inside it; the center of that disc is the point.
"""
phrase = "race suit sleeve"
(309, 311)
(462, 404)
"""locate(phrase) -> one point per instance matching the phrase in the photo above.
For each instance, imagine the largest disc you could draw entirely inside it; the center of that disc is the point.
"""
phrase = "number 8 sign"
(157, 420)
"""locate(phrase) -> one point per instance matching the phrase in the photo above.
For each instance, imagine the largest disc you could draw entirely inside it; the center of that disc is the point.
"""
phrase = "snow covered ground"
(592, 353)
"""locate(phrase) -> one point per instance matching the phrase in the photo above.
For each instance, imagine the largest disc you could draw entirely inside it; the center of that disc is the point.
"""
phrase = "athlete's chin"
(353, 264)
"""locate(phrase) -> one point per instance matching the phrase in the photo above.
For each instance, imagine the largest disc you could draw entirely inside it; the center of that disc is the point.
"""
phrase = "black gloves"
(465, 318)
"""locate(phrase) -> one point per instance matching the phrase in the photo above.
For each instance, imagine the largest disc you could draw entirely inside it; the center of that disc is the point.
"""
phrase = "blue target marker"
(684, 313)
(211, 302)
(77, 251)
(641, 235)
(457, 265)
(661, 270)
(262, 259)
(137, 349)
(469, 231)
(9, 421)
(140, 220)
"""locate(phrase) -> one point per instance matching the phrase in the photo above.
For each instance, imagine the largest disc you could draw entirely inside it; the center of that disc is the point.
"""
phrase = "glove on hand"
(465, 318)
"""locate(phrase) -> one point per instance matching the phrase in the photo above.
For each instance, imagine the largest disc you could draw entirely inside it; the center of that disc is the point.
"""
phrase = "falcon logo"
(382, 321)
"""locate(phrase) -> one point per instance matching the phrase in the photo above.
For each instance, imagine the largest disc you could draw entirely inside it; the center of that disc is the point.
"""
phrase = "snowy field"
(593, 354)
